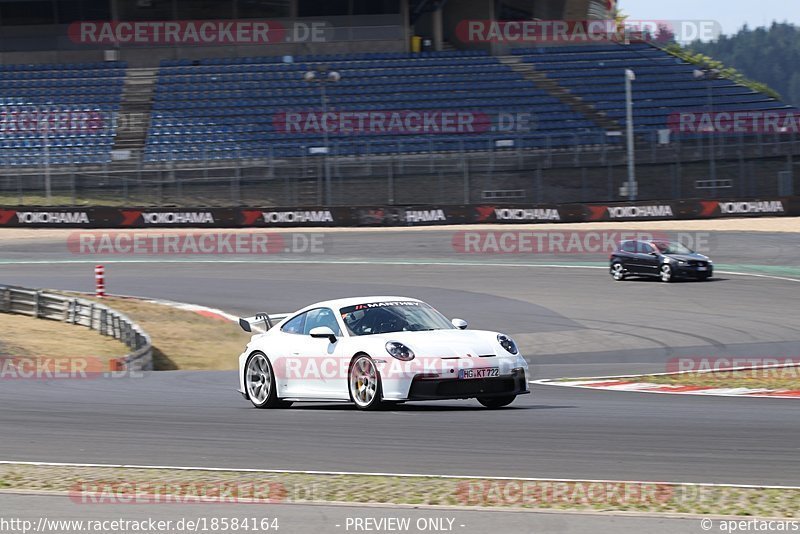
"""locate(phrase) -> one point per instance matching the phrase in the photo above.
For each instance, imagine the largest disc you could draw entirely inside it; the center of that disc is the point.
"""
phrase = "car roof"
(352, 301)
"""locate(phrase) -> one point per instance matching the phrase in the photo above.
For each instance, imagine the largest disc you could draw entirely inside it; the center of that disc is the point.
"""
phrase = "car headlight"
(399, 351)
(507, 343)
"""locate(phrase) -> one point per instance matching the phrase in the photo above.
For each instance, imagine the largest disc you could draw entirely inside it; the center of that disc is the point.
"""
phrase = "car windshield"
(400, 316)
(670, 247)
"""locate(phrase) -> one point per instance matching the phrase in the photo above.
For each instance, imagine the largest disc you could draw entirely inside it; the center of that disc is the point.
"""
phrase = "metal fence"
(450, 174)
(77, 311)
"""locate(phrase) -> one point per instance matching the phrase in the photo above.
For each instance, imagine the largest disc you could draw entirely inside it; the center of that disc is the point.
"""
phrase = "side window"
(644, 248)
(629, 246)
(321, 317)
(295, 325)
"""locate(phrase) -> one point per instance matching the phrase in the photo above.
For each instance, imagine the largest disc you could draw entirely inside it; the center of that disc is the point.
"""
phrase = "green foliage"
(702, 60)
(769, 55)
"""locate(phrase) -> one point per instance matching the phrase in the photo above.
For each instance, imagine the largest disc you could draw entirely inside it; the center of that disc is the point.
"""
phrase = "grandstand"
(217, 109)
(218, 114)
(227, 110)
(64, 113)
(665, 84)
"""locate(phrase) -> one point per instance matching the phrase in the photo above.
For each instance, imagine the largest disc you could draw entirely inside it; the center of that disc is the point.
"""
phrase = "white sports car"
(374, 351)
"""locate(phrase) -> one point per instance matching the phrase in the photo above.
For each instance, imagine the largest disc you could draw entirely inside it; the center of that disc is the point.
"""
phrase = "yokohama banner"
(311, 217)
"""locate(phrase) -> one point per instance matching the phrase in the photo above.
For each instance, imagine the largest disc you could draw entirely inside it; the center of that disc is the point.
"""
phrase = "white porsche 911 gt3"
(375, 351)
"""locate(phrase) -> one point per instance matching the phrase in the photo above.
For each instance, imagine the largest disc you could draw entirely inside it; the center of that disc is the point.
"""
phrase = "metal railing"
(456, 173)
(77, 311)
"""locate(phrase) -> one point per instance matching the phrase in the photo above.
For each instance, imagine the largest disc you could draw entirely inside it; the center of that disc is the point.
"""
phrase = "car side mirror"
(461, 324)
(323, 332)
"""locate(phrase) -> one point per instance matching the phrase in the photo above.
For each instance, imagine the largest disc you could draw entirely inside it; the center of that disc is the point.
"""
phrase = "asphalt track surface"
(569, 322)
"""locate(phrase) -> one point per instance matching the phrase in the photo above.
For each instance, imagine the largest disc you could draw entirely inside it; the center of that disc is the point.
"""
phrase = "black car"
(667, 260)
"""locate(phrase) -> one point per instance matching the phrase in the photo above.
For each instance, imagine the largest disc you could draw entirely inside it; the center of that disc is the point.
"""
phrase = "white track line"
(398, 475)
(361, 262)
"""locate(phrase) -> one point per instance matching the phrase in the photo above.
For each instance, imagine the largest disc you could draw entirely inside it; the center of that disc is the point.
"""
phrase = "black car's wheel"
(617, 271)
(497, 402)
(666, 273)
(259, 381)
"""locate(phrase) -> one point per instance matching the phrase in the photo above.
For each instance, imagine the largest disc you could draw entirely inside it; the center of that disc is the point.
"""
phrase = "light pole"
(46, 150)
(632, 185)
(323, 77)
(709, 75)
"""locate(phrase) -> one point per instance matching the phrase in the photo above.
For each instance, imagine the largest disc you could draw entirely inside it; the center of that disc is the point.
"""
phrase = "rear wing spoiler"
(261, 321)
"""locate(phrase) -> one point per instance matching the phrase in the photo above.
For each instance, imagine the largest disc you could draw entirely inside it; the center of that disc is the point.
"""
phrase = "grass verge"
(24, 336)
(183, 339)
(778, 378)
(113, 484)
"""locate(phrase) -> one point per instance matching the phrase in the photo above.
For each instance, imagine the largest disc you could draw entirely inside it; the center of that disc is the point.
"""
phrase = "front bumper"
(453, 388)
(692, 271)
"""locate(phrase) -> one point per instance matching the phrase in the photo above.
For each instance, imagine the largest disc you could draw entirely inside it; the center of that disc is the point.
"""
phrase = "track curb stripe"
(650, 387)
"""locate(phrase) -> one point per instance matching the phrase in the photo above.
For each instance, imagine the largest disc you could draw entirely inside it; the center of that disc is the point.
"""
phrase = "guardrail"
(78, 311)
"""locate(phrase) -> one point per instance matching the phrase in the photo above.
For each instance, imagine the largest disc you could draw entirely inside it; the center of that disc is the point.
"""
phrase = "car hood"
(447, 343)
(687, 257)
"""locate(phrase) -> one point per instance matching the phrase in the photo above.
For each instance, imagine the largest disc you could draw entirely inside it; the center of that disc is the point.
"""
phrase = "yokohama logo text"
(530, 214)
(52, 217)
(413, 216)
(169, 217)
(619, 212)
(297, 216)
(729, 208)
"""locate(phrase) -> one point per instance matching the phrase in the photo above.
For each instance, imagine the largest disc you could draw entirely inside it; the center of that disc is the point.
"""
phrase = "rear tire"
(617, 271)
(259, 383)
(496, 402)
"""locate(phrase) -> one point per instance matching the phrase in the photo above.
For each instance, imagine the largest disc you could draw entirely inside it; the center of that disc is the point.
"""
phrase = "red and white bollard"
(99, 281)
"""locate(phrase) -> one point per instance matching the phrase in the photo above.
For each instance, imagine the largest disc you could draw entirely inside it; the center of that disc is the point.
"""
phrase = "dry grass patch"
(779, 378)
(184, 339)
(24, 336)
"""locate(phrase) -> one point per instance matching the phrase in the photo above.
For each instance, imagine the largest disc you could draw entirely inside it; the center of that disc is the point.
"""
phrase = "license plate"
(478, 373)
(702, 268)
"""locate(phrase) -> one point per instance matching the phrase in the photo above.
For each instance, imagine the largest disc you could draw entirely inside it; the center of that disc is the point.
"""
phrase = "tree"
(769, 55)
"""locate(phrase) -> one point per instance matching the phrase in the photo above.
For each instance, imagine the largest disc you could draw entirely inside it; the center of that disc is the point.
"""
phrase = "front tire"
(666, 273)
(364, 383)
(617, 271)
(496, 402)
(259, 382)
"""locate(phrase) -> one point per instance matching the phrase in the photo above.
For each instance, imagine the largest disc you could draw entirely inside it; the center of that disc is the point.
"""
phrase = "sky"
(731, 14)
